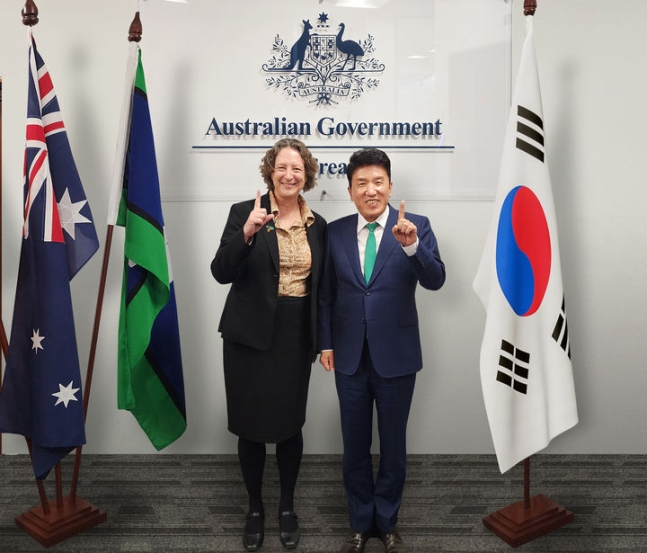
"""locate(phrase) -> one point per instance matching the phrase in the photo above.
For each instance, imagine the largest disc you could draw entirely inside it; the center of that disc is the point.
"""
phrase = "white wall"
(591, 59)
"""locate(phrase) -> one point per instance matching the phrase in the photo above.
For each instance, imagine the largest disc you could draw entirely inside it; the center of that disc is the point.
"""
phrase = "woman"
(271, 252)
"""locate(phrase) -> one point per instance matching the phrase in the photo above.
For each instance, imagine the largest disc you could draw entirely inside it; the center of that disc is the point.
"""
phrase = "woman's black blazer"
(253, 271)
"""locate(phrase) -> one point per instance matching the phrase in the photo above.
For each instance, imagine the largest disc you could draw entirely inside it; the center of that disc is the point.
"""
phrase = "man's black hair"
(365, 157)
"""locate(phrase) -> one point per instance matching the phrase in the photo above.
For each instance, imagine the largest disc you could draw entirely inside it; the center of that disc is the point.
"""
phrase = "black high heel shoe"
(289, 529)
(253, 536)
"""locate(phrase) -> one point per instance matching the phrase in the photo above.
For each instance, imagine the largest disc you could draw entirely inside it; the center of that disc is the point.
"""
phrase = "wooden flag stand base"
(63, 520)
(516, 524)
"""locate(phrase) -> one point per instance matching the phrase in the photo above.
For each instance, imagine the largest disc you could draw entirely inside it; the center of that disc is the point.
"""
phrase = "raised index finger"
(401, 212)
(257, 201)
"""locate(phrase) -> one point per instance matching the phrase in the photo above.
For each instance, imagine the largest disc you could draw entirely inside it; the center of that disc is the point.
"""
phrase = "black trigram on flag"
(515, 364)
(530, 133)
(560, 332)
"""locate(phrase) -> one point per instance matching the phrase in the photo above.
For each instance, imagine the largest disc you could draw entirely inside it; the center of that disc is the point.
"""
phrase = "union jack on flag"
(50, 170)
(41, 394)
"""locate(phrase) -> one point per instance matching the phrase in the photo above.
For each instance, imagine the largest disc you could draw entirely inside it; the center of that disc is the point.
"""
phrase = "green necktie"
(370, 253)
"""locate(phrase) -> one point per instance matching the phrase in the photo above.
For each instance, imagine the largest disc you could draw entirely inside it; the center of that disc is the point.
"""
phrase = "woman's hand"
(257, 218)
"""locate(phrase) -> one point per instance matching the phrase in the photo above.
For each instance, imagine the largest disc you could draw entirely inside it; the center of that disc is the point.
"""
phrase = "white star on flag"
(36, 339)
(69, 213)
(65, 394)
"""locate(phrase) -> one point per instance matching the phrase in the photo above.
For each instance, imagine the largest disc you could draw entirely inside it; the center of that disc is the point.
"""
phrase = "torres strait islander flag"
(525, 361)
(41, 396)
(150, 379)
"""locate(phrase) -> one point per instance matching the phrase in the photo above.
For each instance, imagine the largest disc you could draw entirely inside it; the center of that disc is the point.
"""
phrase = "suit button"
(363, 321)
(368, 292)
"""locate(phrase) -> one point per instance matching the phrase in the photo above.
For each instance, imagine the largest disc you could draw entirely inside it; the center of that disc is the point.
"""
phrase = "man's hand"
(404, 230)
(327, 359)
(257, 218)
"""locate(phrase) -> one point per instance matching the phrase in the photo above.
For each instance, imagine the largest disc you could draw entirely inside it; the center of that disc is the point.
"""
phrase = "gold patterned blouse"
(295, 259)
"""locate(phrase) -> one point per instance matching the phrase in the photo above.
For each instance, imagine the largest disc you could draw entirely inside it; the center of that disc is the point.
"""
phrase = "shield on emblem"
(323, 51)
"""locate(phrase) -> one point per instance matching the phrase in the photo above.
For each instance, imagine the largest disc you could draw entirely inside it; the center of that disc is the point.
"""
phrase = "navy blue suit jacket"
(384, 310)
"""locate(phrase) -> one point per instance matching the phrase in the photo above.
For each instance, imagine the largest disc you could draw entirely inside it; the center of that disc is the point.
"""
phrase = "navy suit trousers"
(374, 501)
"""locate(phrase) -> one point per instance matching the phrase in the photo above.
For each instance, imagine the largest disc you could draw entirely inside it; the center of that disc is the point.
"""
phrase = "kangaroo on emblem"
(298, 51)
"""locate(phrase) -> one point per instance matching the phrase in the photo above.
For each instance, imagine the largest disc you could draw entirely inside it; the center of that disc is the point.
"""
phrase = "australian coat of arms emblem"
(323, 66)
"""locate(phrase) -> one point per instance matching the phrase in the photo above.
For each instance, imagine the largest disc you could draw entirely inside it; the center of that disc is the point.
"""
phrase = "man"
(368, 335)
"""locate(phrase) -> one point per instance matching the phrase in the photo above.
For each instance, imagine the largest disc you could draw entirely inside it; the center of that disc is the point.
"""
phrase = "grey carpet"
(197, 503)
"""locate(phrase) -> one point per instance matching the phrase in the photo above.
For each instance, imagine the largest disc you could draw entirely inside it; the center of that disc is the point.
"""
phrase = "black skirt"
(267, 391)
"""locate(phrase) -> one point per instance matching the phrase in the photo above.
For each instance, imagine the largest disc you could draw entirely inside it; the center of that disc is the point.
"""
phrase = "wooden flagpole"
(134, 35)
(532, 517)
(3, 335)
(93, 349)
(64, 517)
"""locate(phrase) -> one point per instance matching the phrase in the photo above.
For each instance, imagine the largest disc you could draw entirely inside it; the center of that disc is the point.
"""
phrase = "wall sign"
(426, 80)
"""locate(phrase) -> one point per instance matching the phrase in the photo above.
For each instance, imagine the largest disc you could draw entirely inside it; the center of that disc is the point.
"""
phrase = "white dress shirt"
(362, 236)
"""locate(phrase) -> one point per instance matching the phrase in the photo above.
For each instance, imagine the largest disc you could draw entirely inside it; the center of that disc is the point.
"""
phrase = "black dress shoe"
(393, 543)
(355, 542)
(254, 531)
(289, 529)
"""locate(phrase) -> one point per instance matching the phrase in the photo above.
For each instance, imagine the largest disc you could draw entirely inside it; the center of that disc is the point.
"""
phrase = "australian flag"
(41, 396)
